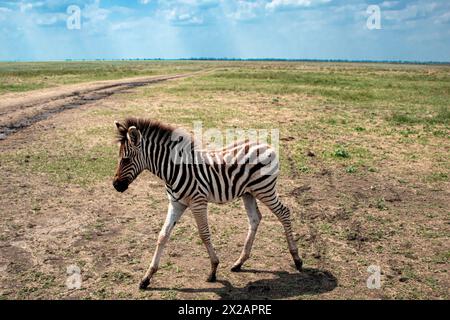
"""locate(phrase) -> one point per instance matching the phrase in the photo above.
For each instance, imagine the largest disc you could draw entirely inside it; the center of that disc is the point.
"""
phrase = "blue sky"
(416, 30)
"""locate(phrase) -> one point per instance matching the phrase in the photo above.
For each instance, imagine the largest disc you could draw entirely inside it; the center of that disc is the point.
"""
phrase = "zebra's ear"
(134, 136)
(120, 126)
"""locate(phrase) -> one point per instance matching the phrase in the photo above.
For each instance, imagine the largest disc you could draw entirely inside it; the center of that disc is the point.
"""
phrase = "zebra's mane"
(145, 126)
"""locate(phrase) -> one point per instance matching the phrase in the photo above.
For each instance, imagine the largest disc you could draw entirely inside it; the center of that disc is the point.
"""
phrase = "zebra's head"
(131, 162)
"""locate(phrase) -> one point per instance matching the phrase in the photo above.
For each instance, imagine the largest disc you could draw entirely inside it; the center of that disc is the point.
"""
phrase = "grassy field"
(17, 77)
(365, 168)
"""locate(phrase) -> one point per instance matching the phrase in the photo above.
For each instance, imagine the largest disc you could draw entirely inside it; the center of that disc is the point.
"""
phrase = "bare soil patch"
(19, 111)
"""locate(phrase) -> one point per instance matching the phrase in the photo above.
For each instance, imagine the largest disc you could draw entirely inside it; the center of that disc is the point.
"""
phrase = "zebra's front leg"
(200, 212)
(174, 213)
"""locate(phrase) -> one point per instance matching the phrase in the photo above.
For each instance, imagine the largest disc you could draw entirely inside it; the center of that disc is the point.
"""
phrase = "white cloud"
(400, 15)
(50, 19)
(196, 3)
(189, 12)
(276, 4)
(25, 6)
(246, 10)
(94, 13)
(444, 18)
(183, 17)
(389, 4)
(424, 10)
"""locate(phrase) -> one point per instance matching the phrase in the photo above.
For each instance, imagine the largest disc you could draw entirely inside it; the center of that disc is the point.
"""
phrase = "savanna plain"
(364, 152)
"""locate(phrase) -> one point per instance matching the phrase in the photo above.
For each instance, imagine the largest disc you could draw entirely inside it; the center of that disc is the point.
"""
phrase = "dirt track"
(18, 111)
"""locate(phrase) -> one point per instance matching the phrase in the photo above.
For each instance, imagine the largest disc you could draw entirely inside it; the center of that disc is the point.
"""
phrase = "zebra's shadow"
(284, 285)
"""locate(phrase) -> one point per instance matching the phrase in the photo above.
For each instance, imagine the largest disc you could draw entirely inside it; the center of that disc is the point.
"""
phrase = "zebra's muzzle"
(120, 185)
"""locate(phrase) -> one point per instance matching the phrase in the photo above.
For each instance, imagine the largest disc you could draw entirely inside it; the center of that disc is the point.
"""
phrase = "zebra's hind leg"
(254, 218)
(283, 214)
(174, 213)
(200, 212)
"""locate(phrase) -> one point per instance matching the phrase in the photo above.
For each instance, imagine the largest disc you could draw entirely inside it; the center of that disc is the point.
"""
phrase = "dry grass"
(376, 190)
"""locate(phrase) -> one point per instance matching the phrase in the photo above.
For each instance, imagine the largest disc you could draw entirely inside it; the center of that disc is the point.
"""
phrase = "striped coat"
(195, 177)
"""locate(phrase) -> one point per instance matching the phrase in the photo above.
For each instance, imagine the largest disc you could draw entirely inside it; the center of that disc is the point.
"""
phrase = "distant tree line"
(270, 59)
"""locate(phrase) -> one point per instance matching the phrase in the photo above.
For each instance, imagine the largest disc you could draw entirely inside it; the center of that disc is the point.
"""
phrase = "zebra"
(212, 177)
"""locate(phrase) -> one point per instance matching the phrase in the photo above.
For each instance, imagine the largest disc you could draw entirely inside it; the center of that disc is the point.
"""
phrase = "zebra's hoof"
(236, 268)
(144, 283)
(299, 265)
(211, 278)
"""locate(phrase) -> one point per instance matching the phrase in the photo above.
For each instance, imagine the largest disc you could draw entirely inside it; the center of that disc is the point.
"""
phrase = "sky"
(415, 30)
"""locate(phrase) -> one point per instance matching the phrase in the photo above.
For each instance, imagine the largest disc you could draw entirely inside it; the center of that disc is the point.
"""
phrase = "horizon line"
(391, 61)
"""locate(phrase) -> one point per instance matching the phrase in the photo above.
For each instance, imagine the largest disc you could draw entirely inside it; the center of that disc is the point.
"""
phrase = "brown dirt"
(20, 110)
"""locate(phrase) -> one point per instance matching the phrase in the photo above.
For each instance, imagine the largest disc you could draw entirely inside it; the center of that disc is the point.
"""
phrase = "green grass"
(69, 161)
(440, 116)
(341, 152)
(343, 84)
(24, 76)
(437, 177)
(351, 169)
(118, 277)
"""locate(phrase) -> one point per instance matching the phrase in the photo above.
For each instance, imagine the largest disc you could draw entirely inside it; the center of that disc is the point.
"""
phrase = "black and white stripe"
(195, 177)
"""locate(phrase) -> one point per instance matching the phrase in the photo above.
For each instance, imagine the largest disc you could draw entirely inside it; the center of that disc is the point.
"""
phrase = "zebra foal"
(195, 177)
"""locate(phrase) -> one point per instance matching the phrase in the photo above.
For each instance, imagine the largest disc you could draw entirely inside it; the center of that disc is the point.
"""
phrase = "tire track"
(18, 116)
